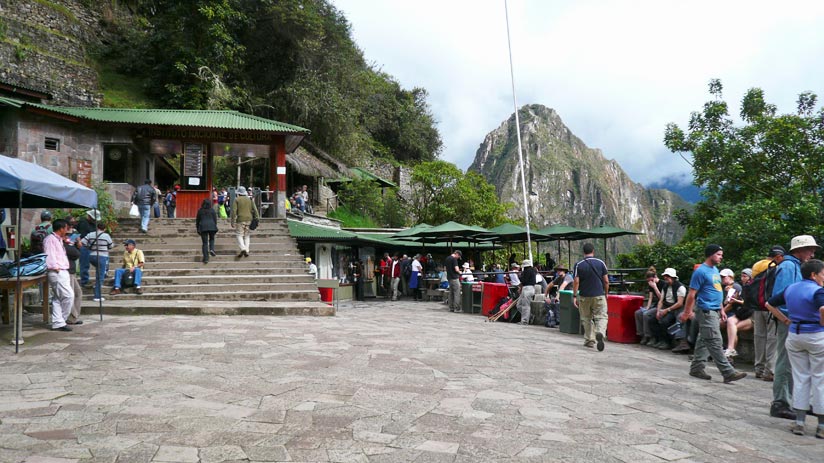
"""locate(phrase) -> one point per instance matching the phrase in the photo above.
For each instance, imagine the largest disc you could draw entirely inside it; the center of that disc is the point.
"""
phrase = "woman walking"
(206, 223)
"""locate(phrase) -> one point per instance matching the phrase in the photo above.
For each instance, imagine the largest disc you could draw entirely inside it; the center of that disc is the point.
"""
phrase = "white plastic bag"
(133, 212)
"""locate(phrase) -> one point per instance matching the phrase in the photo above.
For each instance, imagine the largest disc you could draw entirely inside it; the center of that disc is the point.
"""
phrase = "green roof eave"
(209, 119)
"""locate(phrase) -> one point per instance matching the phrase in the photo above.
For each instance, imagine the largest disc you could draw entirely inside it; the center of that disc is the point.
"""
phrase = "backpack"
(38, 235)
(30, 266)
(170, 200)
(553, 310)
(758, 291)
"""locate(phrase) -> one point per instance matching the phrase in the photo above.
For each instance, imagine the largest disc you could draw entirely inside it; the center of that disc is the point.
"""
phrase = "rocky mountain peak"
(571, 184)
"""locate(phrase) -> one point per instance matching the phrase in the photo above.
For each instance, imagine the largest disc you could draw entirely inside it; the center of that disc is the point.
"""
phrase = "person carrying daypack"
(40, 232)
(763, 323)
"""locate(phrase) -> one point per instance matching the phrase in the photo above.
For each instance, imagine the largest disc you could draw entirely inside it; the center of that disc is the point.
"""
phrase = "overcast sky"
(616, 71)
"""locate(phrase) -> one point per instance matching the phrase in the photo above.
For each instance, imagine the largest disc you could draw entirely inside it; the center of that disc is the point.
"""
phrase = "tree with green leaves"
(763, 178)
(441, 192)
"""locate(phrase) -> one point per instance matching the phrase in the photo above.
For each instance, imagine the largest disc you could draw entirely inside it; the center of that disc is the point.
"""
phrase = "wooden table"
(8, 284)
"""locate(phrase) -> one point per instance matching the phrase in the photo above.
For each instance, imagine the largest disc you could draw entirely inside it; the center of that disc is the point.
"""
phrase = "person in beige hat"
(243, 212)
(802, 249)
(669, 306)
(528, 281)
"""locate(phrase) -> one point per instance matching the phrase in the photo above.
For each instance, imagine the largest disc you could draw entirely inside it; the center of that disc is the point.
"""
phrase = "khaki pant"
(593, 315)
(78, 300)
(243, 235)
(709, 342)
(764, 338)
(525, 303)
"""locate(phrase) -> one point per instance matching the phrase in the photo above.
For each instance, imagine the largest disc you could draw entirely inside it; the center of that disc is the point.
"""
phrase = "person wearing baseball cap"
(133, 261)
(705, 298)
(774, 257)
(802, 249)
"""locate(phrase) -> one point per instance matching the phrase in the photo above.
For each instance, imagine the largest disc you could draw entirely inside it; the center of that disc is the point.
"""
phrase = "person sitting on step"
(132, 269)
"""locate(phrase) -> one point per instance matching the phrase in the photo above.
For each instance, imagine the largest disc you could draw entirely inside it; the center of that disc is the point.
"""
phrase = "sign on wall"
(193, 160)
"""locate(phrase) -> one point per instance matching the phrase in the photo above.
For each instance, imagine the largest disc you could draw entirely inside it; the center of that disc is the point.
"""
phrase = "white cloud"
(616, 72)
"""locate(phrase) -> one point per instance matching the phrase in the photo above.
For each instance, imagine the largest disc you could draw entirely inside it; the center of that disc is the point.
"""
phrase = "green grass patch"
(59, 8)
(122, 91)
(350, 219)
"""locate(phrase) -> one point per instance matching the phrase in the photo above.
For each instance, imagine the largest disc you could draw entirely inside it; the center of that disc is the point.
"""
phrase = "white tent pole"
(18, 295)
(518, 132)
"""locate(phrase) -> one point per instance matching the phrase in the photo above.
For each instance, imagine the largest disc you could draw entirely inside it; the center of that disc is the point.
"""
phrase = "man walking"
(802, 249)
(57, 265)
(705, 297)
(243, 212)
(144, 197)
(395, 271)
(590, 285)
(453, 274)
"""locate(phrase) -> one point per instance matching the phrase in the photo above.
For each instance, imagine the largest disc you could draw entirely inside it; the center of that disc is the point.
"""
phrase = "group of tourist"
(788, 334)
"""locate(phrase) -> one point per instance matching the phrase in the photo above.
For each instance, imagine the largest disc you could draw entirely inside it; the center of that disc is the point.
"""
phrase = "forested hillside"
(289, 60)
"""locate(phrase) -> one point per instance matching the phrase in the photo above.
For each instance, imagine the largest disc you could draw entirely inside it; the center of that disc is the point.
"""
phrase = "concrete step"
(260, 295)
(226, 268)
(227, 280)
(194, 239)
(259, 252)
(118, 305)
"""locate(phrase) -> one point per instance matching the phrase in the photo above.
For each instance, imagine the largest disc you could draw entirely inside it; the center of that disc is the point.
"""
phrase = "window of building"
(115, 163)
(52, 144)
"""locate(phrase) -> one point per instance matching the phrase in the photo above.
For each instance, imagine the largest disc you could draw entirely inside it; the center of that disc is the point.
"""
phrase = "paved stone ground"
(380, 382)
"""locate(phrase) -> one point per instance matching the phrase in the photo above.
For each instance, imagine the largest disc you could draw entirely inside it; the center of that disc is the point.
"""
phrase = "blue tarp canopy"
(41, 187)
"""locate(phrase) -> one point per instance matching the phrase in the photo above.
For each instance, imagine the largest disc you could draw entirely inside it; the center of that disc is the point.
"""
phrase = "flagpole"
(518, 132)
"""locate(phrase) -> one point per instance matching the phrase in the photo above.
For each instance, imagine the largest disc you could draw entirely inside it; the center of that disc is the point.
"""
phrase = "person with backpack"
(171, 202)
(206, 226)
(144, 197)
(668, 308)
(98, 243)
(763, 323)
(243, 213)
(40, 232)
(804, 316)
(704, 299)
(802, 249)
(57, 268)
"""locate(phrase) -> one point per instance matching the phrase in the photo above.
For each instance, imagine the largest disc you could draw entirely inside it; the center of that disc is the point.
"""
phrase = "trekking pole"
(500, 314)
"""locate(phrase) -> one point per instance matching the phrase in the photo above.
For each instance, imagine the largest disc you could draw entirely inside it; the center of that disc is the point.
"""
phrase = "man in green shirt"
(243, 212)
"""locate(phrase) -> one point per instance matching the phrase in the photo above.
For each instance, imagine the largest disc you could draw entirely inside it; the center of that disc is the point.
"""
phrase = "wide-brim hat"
(526, 263)
(515, 265)
(670, 272)
(466, 265)
(803, 241)
(94, 214)
(241, 191)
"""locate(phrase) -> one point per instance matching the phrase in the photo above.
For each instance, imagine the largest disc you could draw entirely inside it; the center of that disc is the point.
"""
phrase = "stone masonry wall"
(42, 46)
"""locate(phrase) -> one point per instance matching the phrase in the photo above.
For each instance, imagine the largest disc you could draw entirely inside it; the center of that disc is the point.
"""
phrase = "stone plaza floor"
(379, 382)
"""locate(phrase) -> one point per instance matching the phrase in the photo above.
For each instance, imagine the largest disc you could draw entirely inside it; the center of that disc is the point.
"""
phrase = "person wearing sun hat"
(528, 281)
(802, 249)
(243, 212)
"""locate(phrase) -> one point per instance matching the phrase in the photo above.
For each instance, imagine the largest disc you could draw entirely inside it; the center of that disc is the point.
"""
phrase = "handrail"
(329, 206)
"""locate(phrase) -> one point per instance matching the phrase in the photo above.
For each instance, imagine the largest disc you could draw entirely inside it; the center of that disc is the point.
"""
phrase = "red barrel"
(621, 313)
(491, 294)
(326, 294)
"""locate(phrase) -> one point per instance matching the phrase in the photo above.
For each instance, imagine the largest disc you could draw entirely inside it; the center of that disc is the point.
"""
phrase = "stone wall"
(42, 46)
(400, 175)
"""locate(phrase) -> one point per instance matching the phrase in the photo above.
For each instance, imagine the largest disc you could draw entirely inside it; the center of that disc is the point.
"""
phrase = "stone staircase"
(272, 280)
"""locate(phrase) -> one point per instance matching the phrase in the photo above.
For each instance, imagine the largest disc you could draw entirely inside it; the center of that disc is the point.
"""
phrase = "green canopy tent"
(450, 232)
(510, 233)
(607, 231)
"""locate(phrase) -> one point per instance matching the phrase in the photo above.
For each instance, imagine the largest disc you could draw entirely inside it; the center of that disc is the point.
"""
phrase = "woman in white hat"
(466, 273)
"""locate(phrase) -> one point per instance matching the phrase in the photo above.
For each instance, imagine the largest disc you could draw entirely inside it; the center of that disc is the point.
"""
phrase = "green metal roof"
(363, 174)
(304, 231)
(224, 120)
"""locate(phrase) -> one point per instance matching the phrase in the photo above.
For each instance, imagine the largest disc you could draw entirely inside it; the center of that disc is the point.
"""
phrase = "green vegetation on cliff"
(288, 60)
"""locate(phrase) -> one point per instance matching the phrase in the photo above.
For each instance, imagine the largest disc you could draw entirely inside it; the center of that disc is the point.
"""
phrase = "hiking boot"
(779, 410)
(245, 253)
(240, 254)
(797, 429)
(683, 347)
(62, 328)
(759, 374)
(662, 345)
(700, 374)
(730, 353)
(212, 253)
(768, 376)
(115, 292)
(599, 339)
(76, 322)
(644, 340)
(99, 299)
(735, 377)
(138, 290)
(589, 344)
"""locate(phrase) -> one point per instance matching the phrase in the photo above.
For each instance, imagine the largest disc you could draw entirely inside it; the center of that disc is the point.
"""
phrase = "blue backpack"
(30, 266)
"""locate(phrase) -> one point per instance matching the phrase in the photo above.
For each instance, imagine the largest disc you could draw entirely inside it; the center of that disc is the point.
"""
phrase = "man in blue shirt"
(802, 249)
(705, 297)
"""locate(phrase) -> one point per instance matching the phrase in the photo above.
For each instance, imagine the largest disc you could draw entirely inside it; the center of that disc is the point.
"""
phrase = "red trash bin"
(621, 314)
(326, 294)
(491, 294)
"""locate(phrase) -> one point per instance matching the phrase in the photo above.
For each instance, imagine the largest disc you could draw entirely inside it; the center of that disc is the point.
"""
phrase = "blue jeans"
(118, 276)
(156, 210)
(84, 265)
(144, 216)
(100, 274)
